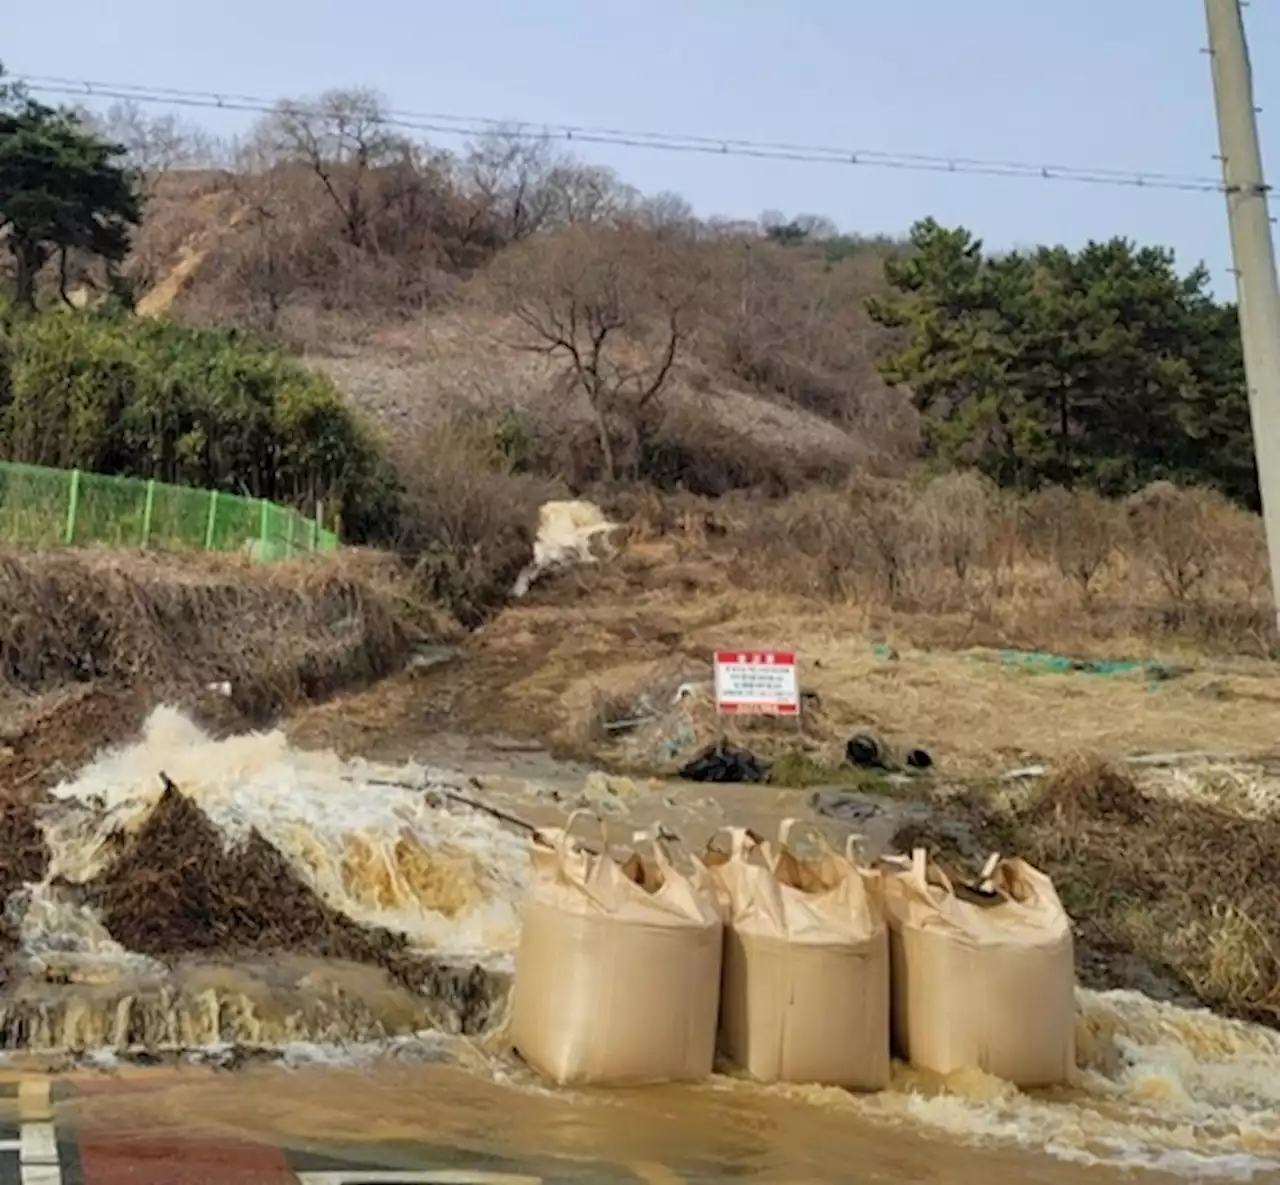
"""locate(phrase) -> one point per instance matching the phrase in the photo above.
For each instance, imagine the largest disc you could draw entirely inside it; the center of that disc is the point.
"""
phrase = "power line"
(472, 126)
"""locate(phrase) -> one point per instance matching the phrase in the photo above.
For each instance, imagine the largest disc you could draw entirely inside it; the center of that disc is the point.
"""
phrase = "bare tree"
(345, 139)
(263, 268)
(1177, 532)
(154, 144)
(513, 178)
(615, 306)
(586, 195)
(668, 214)
(1080, 531)
(802, 228)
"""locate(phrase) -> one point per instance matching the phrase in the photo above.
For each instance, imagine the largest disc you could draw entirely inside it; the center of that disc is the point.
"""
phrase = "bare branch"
(344, 138)
(154, 144)
(616, 305)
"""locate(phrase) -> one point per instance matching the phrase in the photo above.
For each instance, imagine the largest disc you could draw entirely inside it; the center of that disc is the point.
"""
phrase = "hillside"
(519, 324)
(777, 367)
(611, 336)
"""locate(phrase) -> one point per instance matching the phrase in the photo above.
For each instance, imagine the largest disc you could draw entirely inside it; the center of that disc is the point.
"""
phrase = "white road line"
(37, 1137)
(39, 1144)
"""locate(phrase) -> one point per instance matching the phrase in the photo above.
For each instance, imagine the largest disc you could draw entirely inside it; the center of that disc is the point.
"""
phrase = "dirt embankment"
(93, 640)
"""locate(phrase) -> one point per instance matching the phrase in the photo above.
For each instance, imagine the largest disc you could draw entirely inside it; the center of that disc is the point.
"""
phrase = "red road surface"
(144, 1160)
(137, 1157)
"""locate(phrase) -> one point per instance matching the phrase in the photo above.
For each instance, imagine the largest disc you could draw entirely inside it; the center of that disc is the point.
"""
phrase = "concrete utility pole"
(1253, 254)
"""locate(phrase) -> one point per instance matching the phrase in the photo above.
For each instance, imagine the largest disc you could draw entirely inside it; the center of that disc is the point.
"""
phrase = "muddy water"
(958, 1132)
(1178, 1094)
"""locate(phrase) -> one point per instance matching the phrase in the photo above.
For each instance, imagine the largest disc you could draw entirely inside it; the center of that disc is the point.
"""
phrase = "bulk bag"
(982, 984)
(805, 986)
(618, 966)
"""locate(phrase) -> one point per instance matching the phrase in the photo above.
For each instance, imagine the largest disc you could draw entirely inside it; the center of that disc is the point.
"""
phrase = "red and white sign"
(763, 682)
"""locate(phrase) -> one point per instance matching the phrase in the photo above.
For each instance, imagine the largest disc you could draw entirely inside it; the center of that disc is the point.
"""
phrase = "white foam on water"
(1160, 1088)
(451, 879)
(66, 941)
(420, 1047)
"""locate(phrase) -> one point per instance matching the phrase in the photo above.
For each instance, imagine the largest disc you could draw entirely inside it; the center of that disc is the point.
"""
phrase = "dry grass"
(957, 563)
(902, 603)
(469, 517)
(294, 629)
(896, 599)
(1186, 886)
(602, 645)
(974, 712)
(93, 639)
(712, 434)
(778, 385)
(1171, 896)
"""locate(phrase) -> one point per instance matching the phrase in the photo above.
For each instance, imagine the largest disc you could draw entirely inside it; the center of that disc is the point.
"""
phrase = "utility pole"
(1253, 255)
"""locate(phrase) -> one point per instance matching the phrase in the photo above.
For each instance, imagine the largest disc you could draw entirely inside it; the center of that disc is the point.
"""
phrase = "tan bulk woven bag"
(805, 988)
(986, 985)
(618, 966)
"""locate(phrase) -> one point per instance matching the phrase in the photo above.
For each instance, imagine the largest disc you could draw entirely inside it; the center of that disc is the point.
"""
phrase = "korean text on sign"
(757, 681)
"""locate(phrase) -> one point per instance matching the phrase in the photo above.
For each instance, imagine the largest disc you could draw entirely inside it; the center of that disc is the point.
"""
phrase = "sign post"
(757, 682)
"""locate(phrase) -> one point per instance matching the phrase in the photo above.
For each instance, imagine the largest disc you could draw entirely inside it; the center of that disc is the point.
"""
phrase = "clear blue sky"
(1098, 83)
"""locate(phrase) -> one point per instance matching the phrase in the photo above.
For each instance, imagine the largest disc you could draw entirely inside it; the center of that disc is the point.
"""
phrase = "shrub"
(959, 509)
(153, 399)
(1079, 532)
(1175, 531)
(468, 516)
(976, 566)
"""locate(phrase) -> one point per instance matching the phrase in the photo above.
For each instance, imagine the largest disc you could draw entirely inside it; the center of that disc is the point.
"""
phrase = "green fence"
(58, 507)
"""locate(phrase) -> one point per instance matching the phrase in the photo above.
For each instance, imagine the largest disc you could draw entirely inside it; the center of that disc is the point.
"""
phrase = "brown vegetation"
(902, 604)
(615, 307)
(952, 561)
(332, 231)
(957, 562)
(1186, 885)
(87, 615)
(526, 325)
(177, 888)
(513, 294)
(470, 515)
(94, 639)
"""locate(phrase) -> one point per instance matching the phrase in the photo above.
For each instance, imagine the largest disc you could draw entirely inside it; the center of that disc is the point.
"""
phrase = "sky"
(1098, 84)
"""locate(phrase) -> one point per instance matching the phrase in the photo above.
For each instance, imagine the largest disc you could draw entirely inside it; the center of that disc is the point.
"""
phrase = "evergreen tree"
(1101, 367)
(62, 189)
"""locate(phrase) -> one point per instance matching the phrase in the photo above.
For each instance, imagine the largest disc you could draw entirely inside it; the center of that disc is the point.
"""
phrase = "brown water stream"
(1179, 1094)
(723, 1128)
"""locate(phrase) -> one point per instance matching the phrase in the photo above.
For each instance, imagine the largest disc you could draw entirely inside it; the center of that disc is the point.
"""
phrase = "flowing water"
(1176, 1093)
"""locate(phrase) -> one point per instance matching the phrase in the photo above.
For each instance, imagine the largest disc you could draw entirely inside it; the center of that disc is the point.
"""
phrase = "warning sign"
(757, 681)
